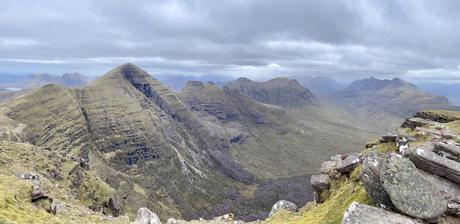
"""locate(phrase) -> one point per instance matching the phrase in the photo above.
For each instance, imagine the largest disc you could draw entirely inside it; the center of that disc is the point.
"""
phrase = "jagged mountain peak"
(279, 91)
(375, 84)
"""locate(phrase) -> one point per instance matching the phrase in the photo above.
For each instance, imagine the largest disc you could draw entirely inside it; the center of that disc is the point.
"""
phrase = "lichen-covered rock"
(283, 204)
(409, 191)
(145, 216)
(365, 214)
(349, 163)
(370, 177)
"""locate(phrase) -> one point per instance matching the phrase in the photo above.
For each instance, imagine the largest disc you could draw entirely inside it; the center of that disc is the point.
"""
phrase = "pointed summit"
(128, 71)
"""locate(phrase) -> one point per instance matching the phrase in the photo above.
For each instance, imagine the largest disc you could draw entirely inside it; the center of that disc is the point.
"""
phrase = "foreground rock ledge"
(365, 214)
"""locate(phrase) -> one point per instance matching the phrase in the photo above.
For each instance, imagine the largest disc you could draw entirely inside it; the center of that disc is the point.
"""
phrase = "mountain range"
(202, 152)
(126, 141)
(384, 104)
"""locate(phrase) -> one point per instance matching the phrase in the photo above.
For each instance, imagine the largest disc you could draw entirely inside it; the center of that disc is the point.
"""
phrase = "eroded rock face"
(365, 214)
(409, 191)
(145, 216)
(283, 204)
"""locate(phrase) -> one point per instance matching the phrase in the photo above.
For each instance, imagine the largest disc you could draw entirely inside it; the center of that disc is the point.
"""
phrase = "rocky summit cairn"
(145, 216)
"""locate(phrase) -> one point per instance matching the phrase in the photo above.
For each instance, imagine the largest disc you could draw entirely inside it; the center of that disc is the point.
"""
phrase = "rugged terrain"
(131, 142)
(408, 176)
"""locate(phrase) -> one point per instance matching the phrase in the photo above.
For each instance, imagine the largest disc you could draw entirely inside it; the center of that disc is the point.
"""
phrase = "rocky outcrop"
(414, 122)
(145, 216)
(283, 204)
(365, 214)
(412, 175)
(409, 191)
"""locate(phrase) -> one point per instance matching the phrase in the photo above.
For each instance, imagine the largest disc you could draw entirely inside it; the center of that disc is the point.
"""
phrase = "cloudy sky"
(342, 39)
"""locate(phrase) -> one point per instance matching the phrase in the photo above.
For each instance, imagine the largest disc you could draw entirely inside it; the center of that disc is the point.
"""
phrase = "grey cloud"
(342, 39)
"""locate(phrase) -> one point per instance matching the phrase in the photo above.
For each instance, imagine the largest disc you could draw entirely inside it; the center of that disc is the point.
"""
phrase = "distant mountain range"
(451, 91)
(126, 140)
(37, 80)
(283, 92)
(386, 103)
(177, 82)
(320, 86)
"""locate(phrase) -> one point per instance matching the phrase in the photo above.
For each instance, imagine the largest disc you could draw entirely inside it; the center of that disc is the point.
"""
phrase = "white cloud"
(17, 42)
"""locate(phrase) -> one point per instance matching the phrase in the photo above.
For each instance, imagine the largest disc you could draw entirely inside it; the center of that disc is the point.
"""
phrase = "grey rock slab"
(348, 164)
(365, 214)
(435, 164)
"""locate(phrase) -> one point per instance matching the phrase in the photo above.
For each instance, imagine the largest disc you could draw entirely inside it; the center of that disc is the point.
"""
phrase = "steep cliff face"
(283, 92)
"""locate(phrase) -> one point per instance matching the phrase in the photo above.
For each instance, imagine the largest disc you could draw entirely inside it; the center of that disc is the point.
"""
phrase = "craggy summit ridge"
(283, 92)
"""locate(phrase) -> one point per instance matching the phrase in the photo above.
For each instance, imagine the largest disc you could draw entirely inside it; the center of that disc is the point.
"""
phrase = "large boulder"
(145, 216)
(283, 204)
(365, 214)
(409, 191)
(370, 177)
